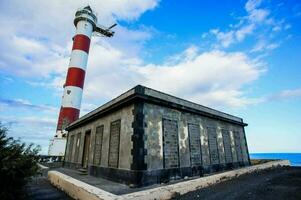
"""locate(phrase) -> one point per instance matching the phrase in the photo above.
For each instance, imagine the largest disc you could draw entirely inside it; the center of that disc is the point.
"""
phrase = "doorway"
(86, 151)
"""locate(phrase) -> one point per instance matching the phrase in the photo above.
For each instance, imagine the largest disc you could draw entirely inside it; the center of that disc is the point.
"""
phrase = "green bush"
(18, 162)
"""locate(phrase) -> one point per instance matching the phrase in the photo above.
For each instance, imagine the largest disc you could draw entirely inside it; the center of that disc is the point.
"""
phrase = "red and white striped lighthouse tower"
(86, 23)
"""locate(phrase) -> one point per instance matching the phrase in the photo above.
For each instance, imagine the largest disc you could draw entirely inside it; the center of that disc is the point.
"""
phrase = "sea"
(294, 158)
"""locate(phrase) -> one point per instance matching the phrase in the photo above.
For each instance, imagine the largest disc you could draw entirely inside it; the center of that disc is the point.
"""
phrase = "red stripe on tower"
(81, 42)
(75, 77)
(67, 115)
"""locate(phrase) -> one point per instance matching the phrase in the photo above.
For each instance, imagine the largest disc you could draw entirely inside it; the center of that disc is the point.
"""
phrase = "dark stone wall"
(166, 144)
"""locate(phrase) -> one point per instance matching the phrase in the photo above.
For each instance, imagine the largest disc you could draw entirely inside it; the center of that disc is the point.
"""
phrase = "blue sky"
(241, 57)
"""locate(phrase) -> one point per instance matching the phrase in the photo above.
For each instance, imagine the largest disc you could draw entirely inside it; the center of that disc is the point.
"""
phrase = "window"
(70, 148)
(76, 146)
(213, 149)
(227, 146)
(170, 144)
(237, 142)
(114, 144)
(98, 145)
(194, 144)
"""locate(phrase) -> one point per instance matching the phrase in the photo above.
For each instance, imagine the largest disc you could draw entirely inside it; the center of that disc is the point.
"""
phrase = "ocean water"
(294, 158)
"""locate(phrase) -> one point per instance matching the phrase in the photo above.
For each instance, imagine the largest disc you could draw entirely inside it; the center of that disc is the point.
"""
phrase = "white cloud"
(37, 130)
(25, 104)
(212, 78)
(36, 44)
(37, 35)
(290, 93)
(257, 20)
(243, 28)
(31, 57)
(258, 15)
(283, 95)
(272, 46)
(225, 38)
(33, 121)
(188, 54)
(276, 28)
(244, 31)
(252, 4)
(57, 15)
(263, 45)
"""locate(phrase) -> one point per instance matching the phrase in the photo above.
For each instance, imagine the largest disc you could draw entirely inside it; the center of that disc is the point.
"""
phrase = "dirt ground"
(274, 184)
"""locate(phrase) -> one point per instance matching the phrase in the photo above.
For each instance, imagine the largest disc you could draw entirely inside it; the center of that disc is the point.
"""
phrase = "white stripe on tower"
(78, 58)
(84, 28)
(73, 87)
(73, 99)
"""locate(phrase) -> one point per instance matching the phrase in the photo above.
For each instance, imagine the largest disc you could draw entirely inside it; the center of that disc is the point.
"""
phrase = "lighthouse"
(85, 22)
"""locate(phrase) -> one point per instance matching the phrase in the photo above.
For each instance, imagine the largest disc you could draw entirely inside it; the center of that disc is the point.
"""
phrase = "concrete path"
(107, 185)
(41, 189)
(81, 190)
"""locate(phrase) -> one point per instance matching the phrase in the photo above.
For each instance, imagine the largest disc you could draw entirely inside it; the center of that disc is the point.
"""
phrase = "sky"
(241, 57)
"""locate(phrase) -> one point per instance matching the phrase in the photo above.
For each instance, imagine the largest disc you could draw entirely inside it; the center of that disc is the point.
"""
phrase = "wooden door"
(86, 149)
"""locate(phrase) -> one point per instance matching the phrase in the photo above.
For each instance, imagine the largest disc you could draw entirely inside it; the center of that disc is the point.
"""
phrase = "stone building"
(145, 136)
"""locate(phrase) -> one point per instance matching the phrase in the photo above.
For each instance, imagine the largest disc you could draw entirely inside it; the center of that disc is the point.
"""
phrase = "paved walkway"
(41, 189)
(78, 184)
(114, 187)
(104, 184)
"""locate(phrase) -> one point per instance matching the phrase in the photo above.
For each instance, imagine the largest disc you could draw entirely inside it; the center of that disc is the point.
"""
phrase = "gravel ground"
(279, 183)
